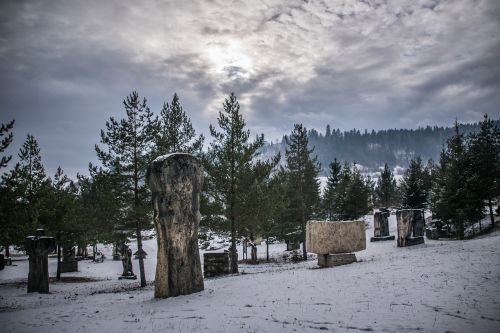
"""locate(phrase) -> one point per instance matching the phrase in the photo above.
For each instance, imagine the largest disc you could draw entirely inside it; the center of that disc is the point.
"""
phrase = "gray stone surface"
(381, 224)
(38, 248)
(325, 237)
(175, 181)
(69, 263)
(338, 259)
(410, 224)
(216, 264)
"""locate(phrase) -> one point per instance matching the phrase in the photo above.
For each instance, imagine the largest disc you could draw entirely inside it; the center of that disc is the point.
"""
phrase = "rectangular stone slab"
(324, 237)
(332, 260)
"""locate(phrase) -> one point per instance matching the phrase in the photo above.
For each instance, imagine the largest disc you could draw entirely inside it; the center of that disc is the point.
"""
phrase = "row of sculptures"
(175, 181)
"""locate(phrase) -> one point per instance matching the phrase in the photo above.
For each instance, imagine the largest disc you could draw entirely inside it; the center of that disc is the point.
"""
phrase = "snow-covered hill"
(435, 287)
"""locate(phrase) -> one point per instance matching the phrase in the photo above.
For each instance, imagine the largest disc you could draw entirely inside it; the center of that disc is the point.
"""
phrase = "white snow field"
(439, 286)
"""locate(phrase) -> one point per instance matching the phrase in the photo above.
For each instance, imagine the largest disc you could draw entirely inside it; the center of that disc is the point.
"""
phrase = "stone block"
(410, 223)
(216, 264)
(331, 260)
(325, 237)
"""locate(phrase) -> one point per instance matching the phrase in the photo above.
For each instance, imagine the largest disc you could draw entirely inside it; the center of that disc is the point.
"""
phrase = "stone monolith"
(410, 227)
(38, 248)
(175, 181)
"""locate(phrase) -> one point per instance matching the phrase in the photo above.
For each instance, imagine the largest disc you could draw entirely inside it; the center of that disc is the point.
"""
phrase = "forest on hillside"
(372, 149)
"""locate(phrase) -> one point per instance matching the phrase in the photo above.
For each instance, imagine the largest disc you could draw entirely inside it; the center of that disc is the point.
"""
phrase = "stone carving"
(69, 263)
(381, 226)
(410, 227)
(216, 264)
(175, 181)
(126, 254)
(333, 241)
(38, 248)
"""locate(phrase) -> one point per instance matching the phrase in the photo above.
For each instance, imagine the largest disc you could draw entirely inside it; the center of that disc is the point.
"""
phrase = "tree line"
(243, 194)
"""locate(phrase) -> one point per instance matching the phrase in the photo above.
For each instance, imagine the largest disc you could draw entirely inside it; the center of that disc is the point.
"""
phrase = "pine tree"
(357, 196)
(228, 163)
(413, 186)
(32, 177)
(386, 188)
(302, 179)
(331, 185)
(128, 154)
(5, 142)
(175, 133)
(484, 151)
(454, 200)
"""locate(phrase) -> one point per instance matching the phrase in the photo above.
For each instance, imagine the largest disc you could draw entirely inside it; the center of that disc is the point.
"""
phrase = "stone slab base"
(128, 277)
(69, 266)
(409, 241)
(331, 260)
(386, 238)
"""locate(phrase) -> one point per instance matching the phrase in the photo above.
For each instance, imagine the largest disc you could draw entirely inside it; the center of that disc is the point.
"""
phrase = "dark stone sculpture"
(128, 273)
(216, 264)
(38, 248)
(175, 181)
(410, 227)
(69, 263)
(381, 226)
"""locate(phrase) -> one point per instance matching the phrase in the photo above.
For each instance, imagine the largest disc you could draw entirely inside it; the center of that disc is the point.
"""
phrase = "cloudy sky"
(65, 66)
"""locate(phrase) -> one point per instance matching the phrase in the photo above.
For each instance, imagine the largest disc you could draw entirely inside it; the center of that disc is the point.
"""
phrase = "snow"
(164, 157)
(433, 287)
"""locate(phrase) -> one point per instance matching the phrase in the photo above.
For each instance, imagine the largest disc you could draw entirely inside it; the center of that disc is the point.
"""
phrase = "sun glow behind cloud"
(229, 59)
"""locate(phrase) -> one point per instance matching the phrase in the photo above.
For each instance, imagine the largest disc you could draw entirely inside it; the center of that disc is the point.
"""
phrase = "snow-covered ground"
(434, 287)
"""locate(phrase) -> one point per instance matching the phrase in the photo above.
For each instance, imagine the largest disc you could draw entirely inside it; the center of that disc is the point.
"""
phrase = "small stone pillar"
(216, 264)
(410, 227)
(38, 248)
(175, 181)
(128, 273)
(2, 262)
(69, 263)
(292, 245)
(333, 241)
(381, 226)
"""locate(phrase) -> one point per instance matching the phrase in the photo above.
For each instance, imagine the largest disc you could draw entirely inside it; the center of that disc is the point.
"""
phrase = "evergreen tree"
(341, 193)
(357, 195)
(484, 151)
(5, 142)
(331, 185)
(385, 190)
(454, 200)
(32, 178)
(127, 157)
(227, 163)
(175, 133)
(413, 186)
(303, 185)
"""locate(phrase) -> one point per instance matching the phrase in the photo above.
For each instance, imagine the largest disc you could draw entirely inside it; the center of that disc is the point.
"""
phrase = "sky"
(66, 66)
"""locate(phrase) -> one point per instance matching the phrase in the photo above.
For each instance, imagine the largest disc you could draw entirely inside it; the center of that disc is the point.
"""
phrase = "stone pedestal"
(38, 247)
(410, 227)
(175, 181)
(69, 263)
(331, 260)
(216, 264)
(333, 242)
(381, 227)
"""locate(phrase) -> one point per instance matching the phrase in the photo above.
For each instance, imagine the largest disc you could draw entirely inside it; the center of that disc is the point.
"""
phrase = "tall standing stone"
(410, 227)
(381, 226)
(69, 263)
(175, 181)
(38, 248)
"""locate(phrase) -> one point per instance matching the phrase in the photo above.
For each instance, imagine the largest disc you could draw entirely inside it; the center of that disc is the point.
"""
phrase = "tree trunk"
(141, 258)
(267, 248)
(7, 252)
(58, 274)
(490, 206)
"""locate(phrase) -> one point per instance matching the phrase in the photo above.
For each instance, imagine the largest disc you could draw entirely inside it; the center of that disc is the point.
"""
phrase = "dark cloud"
(67, 65)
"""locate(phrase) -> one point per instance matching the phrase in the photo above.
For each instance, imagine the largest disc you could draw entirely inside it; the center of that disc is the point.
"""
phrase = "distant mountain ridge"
(396, 147)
